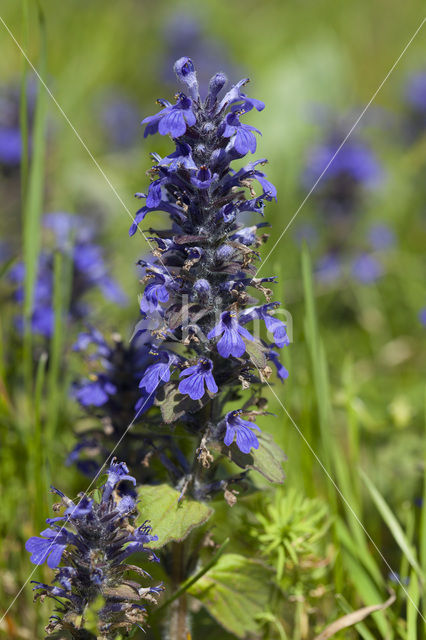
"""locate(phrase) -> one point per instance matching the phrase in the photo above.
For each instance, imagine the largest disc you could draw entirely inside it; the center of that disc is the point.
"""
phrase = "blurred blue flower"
(111, 393)
(415, 91)
(354, 168)
(328, 269)
(306, 232)
(74, 237)
(415, 100)
(381, 236)
(366, 268)
(10, 130)
(395, 577)
(355, 160)
(120, 119)
(10, 146)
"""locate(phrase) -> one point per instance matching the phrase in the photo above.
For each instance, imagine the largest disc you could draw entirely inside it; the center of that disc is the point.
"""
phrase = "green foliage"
(171, 519)
(235, 591)
(267, 459)
(394, 526)
(289, 530)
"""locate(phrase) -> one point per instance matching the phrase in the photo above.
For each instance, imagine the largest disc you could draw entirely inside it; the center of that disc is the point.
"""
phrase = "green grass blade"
(367, 593)
(33, 207)
(356, 544)
(412, 606)
(393, 524)
(423, 522)
(360, 627)
(38, 447)
(322, 391)
(23, 110)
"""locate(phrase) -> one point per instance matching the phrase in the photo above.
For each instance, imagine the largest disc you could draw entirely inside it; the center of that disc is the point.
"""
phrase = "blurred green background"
(304, 59)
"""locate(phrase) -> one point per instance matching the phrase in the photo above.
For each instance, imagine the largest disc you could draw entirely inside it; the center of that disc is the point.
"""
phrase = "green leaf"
(257, 354)
(171, 520)
(174, 404)
(234, 592)
(267, 459)
(393, 524)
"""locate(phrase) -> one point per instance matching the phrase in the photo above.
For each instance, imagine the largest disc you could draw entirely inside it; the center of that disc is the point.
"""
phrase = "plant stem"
(178, 622)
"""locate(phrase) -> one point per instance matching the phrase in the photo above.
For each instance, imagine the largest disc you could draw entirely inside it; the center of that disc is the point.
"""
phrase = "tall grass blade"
(368, 593)
(393, 525)
(23, 111)
(321, 386)
(412, 607)
(39, 466)
(423, 520)
(33, 206)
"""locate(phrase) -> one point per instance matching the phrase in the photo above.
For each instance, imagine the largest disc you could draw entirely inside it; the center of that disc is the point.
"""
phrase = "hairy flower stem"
(178, 627)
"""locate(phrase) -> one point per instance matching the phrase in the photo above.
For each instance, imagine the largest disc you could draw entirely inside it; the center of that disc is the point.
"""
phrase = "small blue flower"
(158, 372)
(202, 289)
(196, 377)
(185, 71)
(49, 547)
(241, 430)
(173, 119)
(203, 178)
(243, 140)
(235, 95)
(247, 235)
(155, 293)
(231, 342)
(181, 157)
(273, 325)
(422, 316)
(117, 472)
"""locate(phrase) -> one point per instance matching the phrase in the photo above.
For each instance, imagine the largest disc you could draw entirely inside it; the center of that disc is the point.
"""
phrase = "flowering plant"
(182, 399)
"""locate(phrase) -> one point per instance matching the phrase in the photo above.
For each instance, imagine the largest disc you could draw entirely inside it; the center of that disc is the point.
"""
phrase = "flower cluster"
(199, 282)
(110, 395)
(347, 174)
(364, 266)
(89, 551)
(118, 118)
(74, 239)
